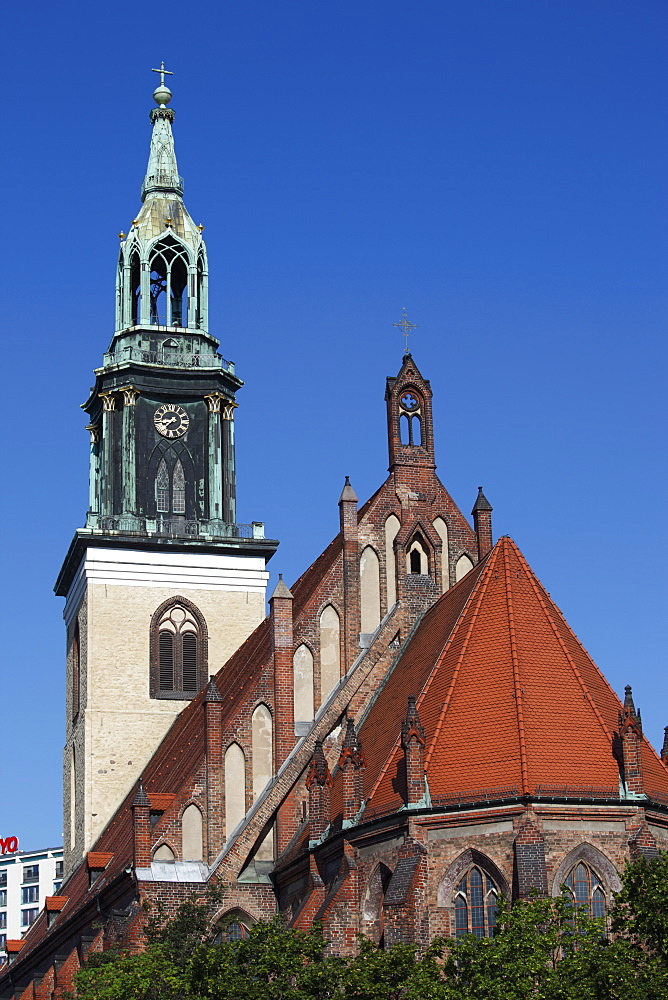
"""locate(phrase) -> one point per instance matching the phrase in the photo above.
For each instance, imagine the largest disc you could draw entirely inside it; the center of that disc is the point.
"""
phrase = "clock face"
(171, 420)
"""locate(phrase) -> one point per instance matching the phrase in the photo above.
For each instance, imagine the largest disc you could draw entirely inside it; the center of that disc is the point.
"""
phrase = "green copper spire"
(162, 270)
(162, 173)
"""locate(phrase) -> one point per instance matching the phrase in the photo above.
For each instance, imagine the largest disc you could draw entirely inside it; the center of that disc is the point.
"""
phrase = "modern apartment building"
(26, 879)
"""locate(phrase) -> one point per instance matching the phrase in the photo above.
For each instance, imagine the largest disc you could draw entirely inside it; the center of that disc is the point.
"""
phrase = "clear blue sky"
(496, 166)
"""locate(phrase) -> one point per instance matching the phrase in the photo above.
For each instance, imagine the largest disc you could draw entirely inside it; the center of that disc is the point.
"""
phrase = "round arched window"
(178, 650)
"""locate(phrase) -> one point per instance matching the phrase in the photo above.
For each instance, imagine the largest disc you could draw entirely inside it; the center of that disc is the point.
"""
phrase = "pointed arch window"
(135, 288)
(373, 914)
(170, 491)
(233, 926)
(584, 889)
(417, 560)
(410, 418)
(476, 901)
(178, 650)
(169, 283)
(162, 488)
(178, 489)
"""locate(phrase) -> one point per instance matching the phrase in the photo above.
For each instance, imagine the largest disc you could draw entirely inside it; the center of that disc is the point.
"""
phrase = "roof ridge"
(519, 705)
(541, 600)
(434, 669)
(482, 584)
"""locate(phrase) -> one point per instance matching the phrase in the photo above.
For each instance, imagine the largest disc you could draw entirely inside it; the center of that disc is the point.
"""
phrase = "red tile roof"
(161, 800)
(98, 859)
(54, 904)
(508, 697)
(380, 729)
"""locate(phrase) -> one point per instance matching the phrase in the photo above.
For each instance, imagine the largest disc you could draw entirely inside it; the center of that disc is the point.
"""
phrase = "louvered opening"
(166, 652)
(189, 661)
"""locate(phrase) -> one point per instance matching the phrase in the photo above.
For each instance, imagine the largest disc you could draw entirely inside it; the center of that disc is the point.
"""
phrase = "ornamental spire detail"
(162, 173)
(162, 277)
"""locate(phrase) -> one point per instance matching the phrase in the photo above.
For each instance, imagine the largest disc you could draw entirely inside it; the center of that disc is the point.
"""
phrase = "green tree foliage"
(543, 950)
(272, 963)
(641, 913)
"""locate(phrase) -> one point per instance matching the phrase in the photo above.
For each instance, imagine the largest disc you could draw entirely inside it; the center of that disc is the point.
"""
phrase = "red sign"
(9, 845)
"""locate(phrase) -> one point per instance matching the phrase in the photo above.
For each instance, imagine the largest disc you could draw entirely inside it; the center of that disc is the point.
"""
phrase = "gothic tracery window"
(476, 898)
(169, 283)
(585, 890)
(162, 488)
(233, 927)
(170, 491)
(410, 420)
(178, 489)
(178, 668)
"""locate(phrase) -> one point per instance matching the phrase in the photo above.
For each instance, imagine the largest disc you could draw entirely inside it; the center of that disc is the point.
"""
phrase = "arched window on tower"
(584, 889)
(169, 283)
(178, 489)
(200, 317)
(178, 650)
(476, 898)
(170, 491)
(410, 419)
(162, 488)
(135, 288)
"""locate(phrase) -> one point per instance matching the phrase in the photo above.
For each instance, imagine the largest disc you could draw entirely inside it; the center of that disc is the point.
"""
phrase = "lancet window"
(170, 492)
(178, 650)
(410, 420)
(135, 288)
(584, 889)
(416, 558)
(476, 898)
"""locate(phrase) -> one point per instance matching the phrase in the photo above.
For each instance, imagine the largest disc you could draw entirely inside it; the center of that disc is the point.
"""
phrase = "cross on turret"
(163, 72)
(405, 327)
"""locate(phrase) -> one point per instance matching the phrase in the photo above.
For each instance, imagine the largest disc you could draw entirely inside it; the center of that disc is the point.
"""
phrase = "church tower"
(162, 584)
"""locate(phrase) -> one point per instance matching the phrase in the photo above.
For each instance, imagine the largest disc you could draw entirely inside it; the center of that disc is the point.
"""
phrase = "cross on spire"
(405, 327)
(163, 72)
